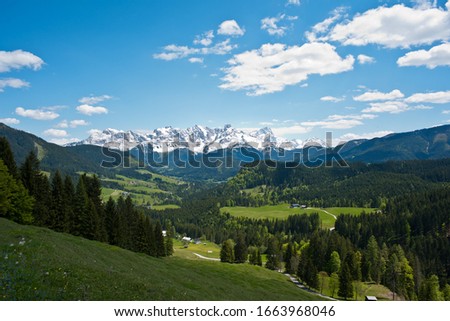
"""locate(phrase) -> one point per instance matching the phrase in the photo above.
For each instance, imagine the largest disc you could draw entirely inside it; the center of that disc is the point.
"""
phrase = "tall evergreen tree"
(345, 281)
(60, 222)
(69, 197)
(273, 254)
(240, 249)
(112, 221)
(159, 239)
(226, 252)
(39, 188)
(8, 158)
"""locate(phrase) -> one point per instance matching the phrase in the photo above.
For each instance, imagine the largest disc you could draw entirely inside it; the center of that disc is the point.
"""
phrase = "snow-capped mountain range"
(198, 139)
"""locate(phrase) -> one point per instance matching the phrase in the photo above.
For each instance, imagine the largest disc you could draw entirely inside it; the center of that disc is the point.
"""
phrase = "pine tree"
(273, 254)
(112, 221)
(159, 239)
(226, 252)
(69, 197)
(373, 260)
(39, 188)
(8, 158)
(59, 205)
(345, 281)
(169, 246)
(240, 249)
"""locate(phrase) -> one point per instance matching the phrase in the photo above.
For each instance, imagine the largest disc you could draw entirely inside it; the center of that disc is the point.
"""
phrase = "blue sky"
(355, 68)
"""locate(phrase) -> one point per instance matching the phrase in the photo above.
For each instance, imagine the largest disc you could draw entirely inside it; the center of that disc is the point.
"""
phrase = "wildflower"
(22, 242)
(6, 257)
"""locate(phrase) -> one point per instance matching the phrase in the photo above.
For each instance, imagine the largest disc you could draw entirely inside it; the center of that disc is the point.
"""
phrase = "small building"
(371, 298)
(304, 206)
(186, 239)
(295, 205)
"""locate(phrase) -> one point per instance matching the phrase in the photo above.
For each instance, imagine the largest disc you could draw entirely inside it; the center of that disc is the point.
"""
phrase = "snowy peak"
(198, 139)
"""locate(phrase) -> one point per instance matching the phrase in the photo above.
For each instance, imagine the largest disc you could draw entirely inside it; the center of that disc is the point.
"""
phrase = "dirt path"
(205, 258)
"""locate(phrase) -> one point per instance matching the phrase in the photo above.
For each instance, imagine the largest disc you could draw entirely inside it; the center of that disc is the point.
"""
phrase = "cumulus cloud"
(339, 121)
(394, 27)
(436, 56)
(37, 114)
(64, 141)
(18, 59)
(13, 83)
(446, 112)
(172, 52)
(89, 110)
(376, 95)
(195, 60)
(271, 24)
(439, 97)
(9, 121)
(230, 28)
(92, 100)
(363, 59)
(392, 107)
(319, 29)
(293, 2)
(291, 130)
(272, 67)
(55, 132)
(205, 39)
(352, 136)
(332, 99)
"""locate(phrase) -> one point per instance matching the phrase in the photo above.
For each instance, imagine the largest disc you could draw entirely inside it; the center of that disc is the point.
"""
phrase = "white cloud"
(446, 112)
(352, 136)
(92, 100)
(9, 121)
(64, 141)
(392, 107)
(18, 59)
(293, 2)
(436, 56)
(89, 110)
(363, 59)
(78, 122)
(394, 27)
(205, 39)
(376, 95)
(230, 28)
(195, 60)
(13, 83)
(271, 24)
(38, 114)
(63, 124)
(266, 123)
(339, 121)
(290, 130)
(439, 97)
(173, 52)
(332, 99)
(323, 26)
(272, 67)
(55, 132)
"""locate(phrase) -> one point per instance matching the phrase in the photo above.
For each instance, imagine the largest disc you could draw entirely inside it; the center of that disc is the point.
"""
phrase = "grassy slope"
(55, 266)
(282, 211)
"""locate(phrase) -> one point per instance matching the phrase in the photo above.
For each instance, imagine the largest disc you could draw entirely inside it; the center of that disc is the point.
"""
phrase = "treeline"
(29, 197)
(358, 185)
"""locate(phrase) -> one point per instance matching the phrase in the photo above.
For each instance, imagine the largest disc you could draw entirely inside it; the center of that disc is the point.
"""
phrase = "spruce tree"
(159, 239)
(345, 281)
(8, 158)
(226, 252)
(240, 249)
(112, 221)
(59, 205)
(273, 254)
